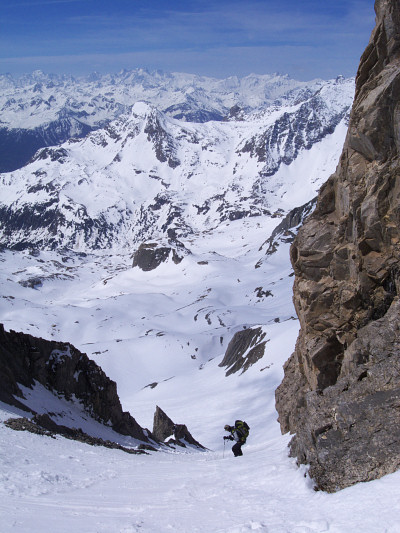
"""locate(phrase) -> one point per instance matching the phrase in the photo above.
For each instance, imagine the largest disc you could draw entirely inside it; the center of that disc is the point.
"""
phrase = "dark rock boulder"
(340, 392)
(164, 430)
(246, 348)
(150, 255)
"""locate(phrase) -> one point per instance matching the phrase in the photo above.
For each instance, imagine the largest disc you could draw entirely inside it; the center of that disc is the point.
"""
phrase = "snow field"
(61, 485)
(165, 327)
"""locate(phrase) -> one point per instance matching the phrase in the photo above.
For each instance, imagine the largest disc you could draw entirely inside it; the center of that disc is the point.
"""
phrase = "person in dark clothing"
(239, 432)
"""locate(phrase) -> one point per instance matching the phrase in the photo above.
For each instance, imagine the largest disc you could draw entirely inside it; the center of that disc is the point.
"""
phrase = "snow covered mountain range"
(210, 194)
(38, 109)
(190, 202)
(149, 176)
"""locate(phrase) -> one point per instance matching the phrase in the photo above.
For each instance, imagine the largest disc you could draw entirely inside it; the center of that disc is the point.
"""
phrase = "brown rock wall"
(346, 263)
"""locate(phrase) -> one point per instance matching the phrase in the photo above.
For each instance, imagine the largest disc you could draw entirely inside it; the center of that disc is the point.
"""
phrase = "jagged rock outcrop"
(150, 255)
(166, 431)
(286, 230)
(341, 390)
(64, 370)
(246, 348)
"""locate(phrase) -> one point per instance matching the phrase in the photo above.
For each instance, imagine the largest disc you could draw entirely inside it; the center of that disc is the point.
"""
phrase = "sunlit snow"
(161, 335)
(171, 326)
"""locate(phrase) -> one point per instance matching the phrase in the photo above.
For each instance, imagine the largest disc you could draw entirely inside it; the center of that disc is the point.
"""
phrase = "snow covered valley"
(171, 327)
(71, 222)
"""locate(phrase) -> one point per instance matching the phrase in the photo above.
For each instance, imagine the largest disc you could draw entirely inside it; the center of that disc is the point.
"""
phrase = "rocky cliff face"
(341, 390)
(26, 360)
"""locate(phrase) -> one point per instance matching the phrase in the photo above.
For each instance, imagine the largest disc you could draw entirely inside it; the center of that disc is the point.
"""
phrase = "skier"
(239, 432)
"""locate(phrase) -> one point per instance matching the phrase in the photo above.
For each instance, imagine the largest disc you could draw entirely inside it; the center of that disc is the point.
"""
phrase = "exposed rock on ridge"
(44, 425)
(282, 142)
(64, 370)
(341, 391)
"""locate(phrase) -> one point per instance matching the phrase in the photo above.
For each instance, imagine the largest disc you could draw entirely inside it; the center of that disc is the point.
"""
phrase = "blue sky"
(303, 38)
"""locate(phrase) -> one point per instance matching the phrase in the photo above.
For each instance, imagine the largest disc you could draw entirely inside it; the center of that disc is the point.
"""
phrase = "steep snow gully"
(59, 485)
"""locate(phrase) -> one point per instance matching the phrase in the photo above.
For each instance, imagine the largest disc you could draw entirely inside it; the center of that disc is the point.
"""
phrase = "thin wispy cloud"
(244, 26)
(321, 36)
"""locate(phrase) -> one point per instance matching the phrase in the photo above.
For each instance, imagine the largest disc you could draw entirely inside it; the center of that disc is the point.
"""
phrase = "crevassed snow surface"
(171, 326)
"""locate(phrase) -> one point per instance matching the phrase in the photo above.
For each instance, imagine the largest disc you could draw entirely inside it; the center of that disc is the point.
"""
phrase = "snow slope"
(161, 335)
(171, 326)
(60, 485)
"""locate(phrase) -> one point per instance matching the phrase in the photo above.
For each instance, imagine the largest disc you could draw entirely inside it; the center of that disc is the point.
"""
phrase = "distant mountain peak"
(146, 174)
(142, 109)
(40, 109)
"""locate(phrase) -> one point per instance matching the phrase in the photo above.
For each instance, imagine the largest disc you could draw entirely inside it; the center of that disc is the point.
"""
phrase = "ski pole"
(223, 454)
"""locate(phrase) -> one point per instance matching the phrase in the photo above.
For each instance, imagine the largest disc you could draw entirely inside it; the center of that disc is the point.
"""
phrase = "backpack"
(242, 429)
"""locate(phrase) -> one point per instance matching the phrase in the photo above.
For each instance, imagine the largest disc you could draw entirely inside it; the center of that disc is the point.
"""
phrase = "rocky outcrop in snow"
(340, 394)
(150, 256)
(246, 348)
(166, 431)
(26, 360)
(44, 425)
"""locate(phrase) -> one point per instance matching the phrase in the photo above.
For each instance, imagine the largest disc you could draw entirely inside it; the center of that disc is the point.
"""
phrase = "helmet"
(227, 428)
